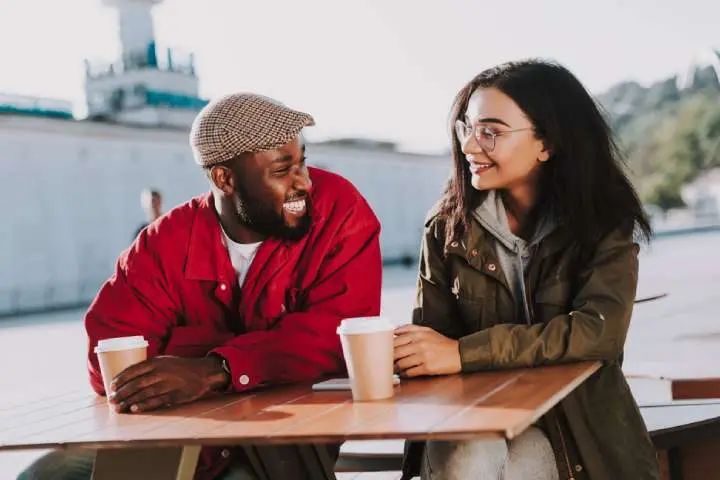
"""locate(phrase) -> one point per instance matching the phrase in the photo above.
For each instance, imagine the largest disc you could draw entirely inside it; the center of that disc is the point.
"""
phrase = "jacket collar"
(491, 214)
(476, 244)
(479, 240)
(207, 257)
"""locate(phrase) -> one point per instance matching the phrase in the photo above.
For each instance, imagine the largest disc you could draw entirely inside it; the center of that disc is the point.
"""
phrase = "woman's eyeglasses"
(485, 136)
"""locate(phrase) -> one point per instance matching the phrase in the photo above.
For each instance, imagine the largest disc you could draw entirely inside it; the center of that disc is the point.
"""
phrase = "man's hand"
(166, 381)
(423, 351)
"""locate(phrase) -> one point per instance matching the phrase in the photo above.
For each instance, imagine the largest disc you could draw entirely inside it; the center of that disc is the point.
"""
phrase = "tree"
(673, 140)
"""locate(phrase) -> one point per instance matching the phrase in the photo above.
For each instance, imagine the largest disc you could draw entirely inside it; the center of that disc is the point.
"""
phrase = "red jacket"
(176, 286)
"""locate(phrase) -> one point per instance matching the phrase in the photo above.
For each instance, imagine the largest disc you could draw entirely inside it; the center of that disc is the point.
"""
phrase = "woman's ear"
(545, 153)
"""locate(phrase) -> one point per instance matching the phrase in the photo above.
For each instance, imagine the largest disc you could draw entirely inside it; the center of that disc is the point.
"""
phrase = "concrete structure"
(70, 195)
(70, 188)
(143, 86)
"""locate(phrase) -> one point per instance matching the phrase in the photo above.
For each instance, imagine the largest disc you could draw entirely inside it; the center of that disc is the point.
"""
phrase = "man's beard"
(259, 216)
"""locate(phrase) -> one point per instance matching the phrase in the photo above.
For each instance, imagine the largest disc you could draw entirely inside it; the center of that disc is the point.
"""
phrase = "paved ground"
(47, 352)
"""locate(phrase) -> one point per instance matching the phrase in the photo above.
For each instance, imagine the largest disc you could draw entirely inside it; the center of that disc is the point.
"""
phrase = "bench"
(686, 436)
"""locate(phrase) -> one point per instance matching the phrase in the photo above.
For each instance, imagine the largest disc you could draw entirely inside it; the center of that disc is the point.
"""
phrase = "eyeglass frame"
(476, 129)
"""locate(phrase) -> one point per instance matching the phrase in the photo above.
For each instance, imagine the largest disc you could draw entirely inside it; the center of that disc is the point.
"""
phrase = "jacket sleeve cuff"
(245, 371)
(476, 352)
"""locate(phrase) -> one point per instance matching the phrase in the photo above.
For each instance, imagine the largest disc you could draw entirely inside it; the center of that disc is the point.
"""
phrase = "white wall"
(400, 187)
(71, 204)
(70, 199)
(153, 116)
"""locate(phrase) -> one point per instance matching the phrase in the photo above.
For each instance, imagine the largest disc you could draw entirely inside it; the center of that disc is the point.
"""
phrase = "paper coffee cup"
(117, 354)
(367, 344)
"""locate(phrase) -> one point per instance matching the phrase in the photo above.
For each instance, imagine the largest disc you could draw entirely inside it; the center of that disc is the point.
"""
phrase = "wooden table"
(687, 382)
(685, 430)
(695, 388)
(165, 444)
(686, 435)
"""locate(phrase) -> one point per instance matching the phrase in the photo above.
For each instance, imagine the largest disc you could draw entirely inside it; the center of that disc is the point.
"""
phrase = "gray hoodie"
(513, 252)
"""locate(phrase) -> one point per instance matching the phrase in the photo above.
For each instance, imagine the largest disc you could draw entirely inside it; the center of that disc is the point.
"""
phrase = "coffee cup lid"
(359, 325)
(120, 343)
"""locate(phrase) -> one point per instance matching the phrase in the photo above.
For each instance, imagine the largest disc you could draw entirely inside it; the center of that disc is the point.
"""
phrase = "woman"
(529, 259)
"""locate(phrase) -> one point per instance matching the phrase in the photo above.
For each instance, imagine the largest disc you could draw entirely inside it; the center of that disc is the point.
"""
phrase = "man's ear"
(223, 179)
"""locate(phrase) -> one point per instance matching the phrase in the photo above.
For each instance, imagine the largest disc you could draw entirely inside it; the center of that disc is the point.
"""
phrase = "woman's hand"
(423, 351)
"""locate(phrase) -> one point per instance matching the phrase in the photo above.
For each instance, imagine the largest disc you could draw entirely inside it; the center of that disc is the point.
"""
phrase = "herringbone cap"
(243, 123)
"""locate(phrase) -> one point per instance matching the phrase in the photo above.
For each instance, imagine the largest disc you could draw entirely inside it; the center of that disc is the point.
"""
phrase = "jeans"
(78, 465)
(528, 456)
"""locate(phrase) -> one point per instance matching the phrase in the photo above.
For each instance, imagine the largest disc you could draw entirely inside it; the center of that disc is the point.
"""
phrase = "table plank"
(52, 411)
(496, 403)
(191, 427)
(93, 427)
(103, 422)
(18, 408)
(665, 419)
(695, 388)
(511, 411)
(415, 417)
(687, 381)
(333, 417)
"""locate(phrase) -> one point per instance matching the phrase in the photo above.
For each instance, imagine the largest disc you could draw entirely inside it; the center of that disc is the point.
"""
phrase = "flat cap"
(243, 123)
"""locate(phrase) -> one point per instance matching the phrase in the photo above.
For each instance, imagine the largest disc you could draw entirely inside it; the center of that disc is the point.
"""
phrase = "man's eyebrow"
(284, 158)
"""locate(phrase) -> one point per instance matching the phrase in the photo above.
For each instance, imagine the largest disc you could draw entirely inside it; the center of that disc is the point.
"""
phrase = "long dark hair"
(584, 181)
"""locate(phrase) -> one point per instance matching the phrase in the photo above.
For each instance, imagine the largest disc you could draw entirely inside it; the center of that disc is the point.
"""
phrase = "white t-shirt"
(241, 255)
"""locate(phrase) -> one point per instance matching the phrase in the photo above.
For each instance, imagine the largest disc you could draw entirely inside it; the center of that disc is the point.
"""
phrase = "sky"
(382, 69)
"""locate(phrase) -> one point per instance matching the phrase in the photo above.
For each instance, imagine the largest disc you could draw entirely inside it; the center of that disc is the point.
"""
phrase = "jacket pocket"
(471, 310)
(552, 300)
(195, 341)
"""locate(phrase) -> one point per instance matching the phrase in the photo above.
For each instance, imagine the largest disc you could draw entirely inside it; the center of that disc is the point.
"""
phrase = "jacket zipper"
(531, 305)
(525, 291)
(530, 302)
(564, 449)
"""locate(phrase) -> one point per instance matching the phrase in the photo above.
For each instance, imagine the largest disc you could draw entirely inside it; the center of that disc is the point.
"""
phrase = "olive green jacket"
(580, 305)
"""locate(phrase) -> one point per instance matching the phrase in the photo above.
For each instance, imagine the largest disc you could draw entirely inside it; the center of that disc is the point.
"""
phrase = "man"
(242, 287)
(151, 203)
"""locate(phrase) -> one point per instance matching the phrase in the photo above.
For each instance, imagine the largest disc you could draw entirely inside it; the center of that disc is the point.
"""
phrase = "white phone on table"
(341, 384)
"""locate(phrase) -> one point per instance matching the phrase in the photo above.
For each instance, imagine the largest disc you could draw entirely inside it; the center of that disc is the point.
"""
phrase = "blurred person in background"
(151, 203)
(529, 259)
(239, 288)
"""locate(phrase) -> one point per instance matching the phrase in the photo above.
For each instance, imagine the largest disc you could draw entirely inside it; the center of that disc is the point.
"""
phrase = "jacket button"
(244, 379)
(578, 468)
(225, 453)
(454, 244)
(474, 253)
(492, 267)
(223, 287)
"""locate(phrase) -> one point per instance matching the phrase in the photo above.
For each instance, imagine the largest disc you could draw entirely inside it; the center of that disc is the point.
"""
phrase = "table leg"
(172, 463)
(256, 462)
(694, 460)
(317, 461)
(701, 460)
(675, 463)
(282, 462)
